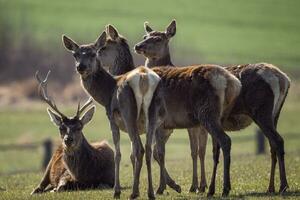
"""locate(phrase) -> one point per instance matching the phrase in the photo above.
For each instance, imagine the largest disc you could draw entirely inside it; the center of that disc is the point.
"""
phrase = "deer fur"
(157, 54)
(214, 82)
(112, 56)
(119, 95)
(76, 164)
(264, 90)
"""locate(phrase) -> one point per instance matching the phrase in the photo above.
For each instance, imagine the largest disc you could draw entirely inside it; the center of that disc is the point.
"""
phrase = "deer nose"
(138, 47)
(68, 140)
(81, 68)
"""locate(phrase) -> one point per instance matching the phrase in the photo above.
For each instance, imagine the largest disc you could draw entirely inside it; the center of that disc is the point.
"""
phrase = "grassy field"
(219, 31)
(231, 31)
(19, 170)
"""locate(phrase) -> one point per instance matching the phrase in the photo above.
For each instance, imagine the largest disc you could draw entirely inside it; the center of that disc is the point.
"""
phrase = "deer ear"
(69, 43)
(88, 115)
(112, 32)
(147, 28)
(54, 118)
(171, 29)
(100, 40)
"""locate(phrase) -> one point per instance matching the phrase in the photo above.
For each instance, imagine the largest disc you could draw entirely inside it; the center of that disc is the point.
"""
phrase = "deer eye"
(144, 37)
(76, 54)
(62, 129)
(157, 39)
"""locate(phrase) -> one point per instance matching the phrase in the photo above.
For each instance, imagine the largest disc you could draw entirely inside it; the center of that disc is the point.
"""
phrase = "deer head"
(85, 55)
(70, 127)
(115, 48)
(155, 44)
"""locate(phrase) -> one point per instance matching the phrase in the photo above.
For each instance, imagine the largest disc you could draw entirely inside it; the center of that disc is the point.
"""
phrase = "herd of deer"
(149, 99)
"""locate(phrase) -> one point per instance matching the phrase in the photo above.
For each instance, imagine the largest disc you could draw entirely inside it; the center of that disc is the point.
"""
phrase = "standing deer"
(127, 100)
(111, 55)
(264, 90)
(115, 55)
(76, 164)
(155, 47)
(216, 86)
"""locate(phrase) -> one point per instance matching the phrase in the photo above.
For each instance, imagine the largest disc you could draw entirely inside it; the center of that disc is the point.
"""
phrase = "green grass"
(231, 31)
(19, 170)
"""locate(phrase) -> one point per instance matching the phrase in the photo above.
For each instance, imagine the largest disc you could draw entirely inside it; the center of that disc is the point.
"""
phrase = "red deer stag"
(76, 164)
(264, 90)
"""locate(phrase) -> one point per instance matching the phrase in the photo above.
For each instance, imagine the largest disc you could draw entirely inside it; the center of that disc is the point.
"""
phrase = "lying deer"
(210, 92)
(76, 164)
(127, 100)
(264, 90)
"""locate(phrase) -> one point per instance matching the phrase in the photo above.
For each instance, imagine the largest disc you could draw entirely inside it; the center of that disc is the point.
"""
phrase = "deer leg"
(65, 183)
(202, 141)
(116, 139)
(44, 182)
(277, 145)
(132, 157)
(169, 181)
(216, 131)
(160, 147)
(271, 188)
(193, 136)
(216, 154)
(139, 153)
(150, 127)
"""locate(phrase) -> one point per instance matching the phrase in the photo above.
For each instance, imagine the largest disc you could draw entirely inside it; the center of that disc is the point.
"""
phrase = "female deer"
(264, 89)
(126, 98)
(215, 94)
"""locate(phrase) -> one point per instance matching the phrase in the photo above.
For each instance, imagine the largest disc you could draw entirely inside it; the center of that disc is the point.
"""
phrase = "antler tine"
(42, 90)
(87, 104)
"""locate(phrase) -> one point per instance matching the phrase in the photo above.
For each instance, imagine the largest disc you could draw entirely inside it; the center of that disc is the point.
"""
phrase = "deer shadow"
(292, 193)
(295, 193)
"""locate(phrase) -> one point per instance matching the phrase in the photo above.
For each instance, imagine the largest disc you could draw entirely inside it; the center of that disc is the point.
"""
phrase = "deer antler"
(81, 109)
(42, 90)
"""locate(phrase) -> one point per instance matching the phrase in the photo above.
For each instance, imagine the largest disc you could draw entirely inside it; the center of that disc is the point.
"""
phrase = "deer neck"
(75, 161)
(161, 61)
(123, 63)
(100, 85)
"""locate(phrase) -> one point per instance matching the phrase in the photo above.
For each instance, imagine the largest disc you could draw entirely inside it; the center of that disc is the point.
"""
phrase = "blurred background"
(221, 32)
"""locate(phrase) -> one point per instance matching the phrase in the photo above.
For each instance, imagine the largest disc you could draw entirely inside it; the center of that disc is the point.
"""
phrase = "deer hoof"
(271, 190)
(193, 189)
(37, 190)
(202, 189)
(177, 188)
(117, 194)
(283, 189)
(134, 196)
(151, 196)
(225, 192)
(211, 192)
(160, 190)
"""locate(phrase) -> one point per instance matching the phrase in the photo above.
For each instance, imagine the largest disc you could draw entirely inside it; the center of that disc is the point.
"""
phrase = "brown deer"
(264, 90)
(213, 80)
(111, 56)
(75, 164)
(126, 98)
(155, 48)
(115, 56)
